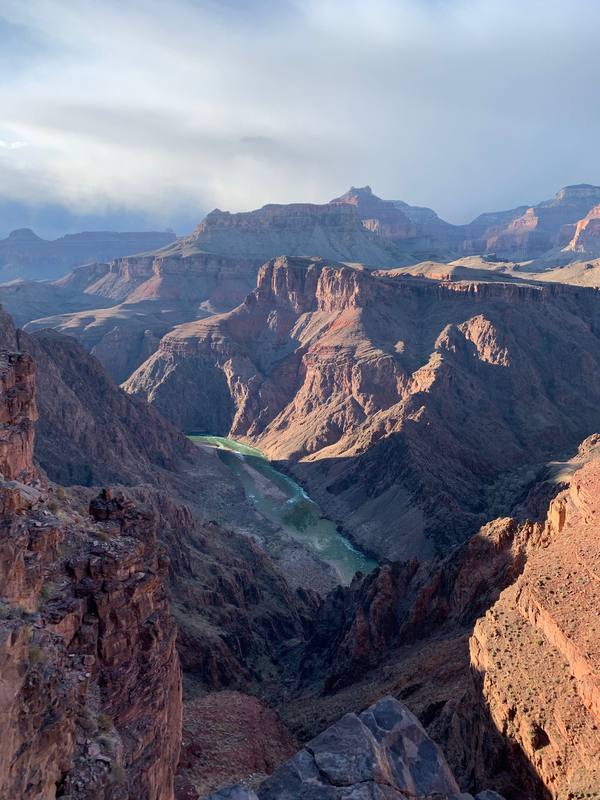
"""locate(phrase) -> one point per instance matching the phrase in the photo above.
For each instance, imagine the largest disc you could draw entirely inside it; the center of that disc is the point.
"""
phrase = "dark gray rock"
(234, 793)
(382, 754)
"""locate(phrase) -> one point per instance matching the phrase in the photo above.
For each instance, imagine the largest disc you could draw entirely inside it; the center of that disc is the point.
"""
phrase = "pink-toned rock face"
(379, 216)
(530, 232)
(586, 237)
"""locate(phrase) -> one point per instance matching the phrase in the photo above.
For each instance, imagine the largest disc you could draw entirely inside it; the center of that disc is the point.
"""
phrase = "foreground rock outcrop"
(382, 754)
(90, 678)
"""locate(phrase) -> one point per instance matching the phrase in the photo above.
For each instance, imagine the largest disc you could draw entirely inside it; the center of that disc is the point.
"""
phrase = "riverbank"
(282, 500)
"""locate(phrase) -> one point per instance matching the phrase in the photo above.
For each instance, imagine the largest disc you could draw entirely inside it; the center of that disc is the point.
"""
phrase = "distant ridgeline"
(25, 255)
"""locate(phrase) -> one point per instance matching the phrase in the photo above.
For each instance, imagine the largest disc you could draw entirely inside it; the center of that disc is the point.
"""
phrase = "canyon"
(412, 410)
(97, 584)
(425, 632)
(299, 400)
(432, 387)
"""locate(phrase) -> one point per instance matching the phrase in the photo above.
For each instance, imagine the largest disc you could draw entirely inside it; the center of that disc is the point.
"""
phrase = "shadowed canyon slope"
(493, 646)
(90, 432)
(413, 410)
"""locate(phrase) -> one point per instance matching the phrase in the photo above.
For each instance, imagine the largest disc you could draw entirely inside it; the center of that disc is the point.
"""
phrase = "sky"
(139, 114)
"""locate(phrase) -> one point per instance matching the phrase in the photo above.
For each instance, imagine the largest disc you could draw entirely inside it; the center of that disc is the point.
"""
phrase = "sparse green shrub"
(104, 722)
(60, 493)
(108, 744)
(53, 506)
(118, 774)
(37, 655)
(47, 592)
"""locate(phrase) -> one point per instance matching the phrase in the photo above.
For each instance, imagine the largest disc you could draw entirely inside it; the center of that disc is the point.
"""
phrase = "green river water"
(283, 501)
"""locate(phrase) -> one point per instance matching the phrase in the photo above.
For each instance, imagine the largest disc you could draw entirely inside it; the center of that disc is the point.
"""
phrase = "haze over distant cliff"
(25, 255)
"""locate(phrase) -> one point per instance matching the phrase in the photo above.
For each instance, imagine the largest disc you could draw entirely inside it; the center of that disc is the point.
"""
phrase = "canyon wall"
(535, 654)
(132, 302)
(140, 298)
(330, 230)
(494, 647)
(91, 686)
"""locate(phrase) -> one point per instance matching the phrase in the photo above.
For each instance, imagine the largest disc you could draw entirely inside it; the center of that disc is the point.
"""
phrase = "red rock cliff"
(90, 688)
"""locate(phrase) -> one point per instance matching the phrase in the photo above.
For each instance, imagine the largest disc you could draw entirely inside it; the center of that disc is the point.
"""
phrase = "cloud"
(465, 105)
(16, 145)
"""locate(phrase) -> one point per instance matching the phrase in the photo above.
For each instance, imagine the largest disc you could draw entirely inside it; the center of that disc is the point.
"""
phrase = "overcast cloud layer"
(160, 111)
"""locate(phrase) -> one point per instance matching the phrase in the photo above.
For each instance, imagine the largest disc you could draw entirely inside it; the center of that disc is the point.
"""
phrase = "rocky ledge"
(381, 754)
